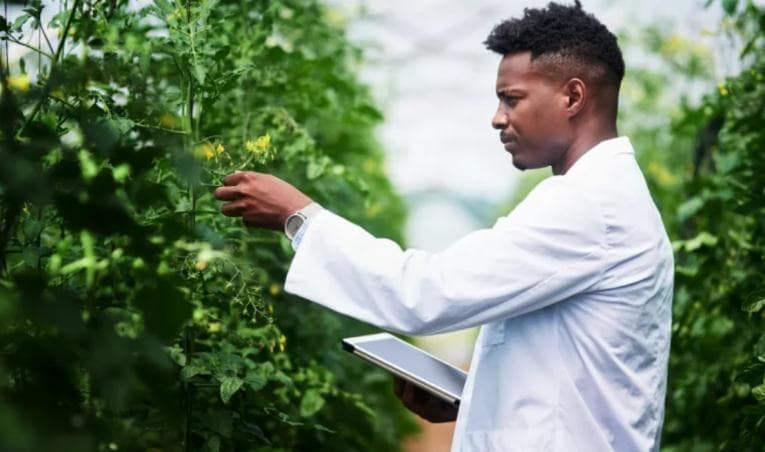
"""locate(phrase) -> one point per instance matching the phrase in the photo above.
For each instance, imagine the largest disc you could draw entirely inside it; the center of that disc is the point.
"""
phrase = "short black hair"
(566, 35)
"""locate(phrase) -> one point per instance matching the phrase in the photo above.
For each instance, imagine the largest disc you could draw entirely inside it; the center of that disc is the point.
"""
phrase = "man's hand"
(424, 404)
(262, 200)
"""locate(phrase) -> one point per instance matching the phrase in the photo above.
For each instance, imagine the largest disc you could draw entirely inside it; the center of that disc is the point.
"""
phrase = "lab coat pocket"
(493, 334)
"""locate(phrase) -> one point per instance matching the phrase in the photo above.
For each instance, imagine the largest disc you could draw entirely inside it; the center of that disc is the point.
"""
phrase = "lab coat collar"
(602, 150)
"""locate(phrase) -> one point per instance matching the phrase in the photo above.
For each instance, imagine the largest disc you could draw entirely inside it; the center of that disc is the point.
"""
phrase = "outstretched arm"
(548, 249)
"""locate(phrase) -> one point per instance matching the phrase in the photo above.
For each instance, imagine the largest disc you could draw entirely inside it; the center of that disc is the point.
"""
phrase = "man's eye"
(510, 101)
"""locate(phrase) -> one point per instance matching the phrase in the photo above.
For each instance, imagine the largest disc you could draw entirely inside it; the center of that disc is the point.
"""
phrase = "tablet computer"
(410, 363)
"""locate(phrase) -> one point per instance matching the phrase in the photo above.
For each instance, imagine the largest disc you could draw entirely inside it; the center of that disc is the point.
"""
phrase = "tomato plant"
(132, 314)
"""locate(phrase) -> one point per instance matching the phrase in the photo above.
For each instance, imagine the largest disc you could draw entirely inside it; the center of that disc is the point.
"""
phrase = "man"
(573, 289)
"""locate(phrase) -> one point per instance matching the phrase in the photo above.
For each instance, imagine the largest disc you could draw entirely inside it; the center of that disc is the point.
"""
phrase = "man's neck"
(580, 146)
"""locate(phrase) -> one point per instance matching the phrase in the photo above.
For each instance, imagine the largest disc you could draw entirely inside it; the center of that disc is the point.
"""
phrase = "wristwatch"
(298, 219)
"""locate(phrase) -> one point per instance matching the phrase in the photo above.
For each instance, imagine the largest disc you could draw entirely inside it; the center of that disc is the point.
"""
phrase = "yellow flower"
(58, 93)
(661, 174)
(219, 149)
(200, 265)
(275, 289)
(282, 342)
(167, 120)
(19, 82)
(204, 150)
(723, 89)
(259, 145)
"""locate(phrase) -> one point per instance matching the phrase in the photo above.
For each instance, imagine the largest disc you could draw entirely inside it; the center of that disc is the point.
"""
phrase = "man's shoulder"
(562, 193)
(558, 204)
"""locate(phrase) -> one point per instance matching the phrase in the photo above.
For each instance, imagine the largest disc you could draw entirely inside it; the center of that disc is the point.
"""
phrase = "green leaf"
(255, 431)
(256, 379)
(121, 172)
(689, 208)
(754, 305)
(18, 24)
(229, 386)
(88, 166)
(759, 392)
(703, 239)
(212, 444)
(177, 355)
(200, 73)
(317, 167)
(311, 403)
(188, 372)
(729, 6)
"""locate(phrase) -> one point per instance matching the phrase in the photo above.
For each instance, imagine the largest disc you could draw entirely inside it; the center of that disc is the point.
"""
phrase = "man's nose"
(499, 121)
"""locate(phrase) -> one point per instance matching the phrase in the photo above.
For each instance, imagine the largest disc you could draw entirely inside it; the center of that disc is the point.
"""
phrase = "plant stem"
(7, 55)
(45, 35)
(192, 135)
(53, 66)
(24, 44)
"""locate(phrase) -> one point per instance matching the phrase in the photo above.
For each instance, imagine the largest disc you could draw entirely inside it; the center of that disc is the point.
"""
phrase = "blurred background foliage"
(708, 177)
(133, 316)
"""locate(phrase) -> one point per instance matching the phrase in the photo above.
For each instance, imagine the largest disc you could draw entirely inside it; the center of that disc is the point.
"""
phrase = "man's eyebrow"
(505, 92)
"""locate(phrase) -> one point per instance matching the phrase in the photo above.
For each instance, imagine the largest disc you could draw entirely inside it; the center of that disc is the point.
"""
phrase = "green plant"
(132, 314)
(705, 170)
(718, 360)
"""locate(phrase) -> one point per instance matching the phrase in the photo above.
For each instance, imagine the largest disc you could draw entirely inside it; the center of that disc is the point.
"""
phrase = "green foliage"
(706, 171)
(132, 314)
(718, 365)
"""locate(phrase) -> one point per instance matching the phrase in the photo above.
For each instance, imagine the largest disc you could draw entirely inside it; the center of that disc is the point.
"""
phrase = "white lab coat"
(573, 290)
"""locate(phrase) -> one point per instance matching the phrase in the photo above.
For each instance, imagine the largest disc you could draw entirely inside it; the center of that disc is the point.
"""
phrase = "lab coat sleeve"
(549, 248)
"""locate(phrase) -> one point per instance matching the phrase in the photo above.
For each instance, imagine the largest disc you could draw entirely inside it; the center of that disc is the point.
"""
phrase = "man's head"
(558, 85)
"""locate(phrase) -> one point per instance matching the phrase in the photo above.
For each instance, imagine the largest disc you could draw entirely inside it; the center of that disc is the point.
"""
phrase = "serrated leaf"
(192, 370)
(256, 379)
(311, 402)
(228, 387)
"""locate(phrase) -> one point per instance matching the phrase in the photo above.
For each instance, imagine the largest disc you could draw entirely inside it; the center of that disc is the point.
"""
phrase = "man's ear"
(576, 96)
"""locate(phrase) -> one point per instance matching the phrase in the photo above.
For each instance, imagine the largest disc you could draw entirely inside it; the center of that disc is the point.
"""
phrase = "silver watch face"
(292, 225)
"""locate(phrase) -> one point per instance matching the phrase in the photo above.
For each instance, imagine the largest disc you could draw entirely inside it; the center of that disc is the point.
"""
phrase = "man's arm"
(547, 250)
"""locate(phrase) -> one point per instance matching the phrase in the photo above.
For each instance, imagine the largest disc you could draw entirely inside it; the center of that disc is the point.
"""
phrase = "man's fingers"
(232, 209)
(398, 386)
(234, 178)
(227, 193)
(408, 394)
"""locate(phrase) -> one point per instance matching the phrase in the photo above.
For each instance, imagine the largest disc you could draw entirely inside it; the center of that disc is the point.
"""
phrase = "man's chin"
(519, 164)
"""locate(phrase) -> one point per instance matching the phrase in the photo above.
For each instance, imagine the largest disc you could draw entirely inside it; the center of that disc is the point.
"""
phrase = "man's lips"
(505, 138)
(509, 142)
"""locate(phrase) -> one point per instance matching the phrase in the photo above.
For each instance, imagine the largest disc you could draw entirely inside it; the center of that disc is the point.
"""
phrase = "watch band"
(299, 219)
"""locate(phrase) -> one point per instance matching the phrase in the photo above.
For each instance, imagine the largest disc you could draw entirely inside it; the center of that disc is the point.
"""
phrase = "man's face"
(531, 115)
